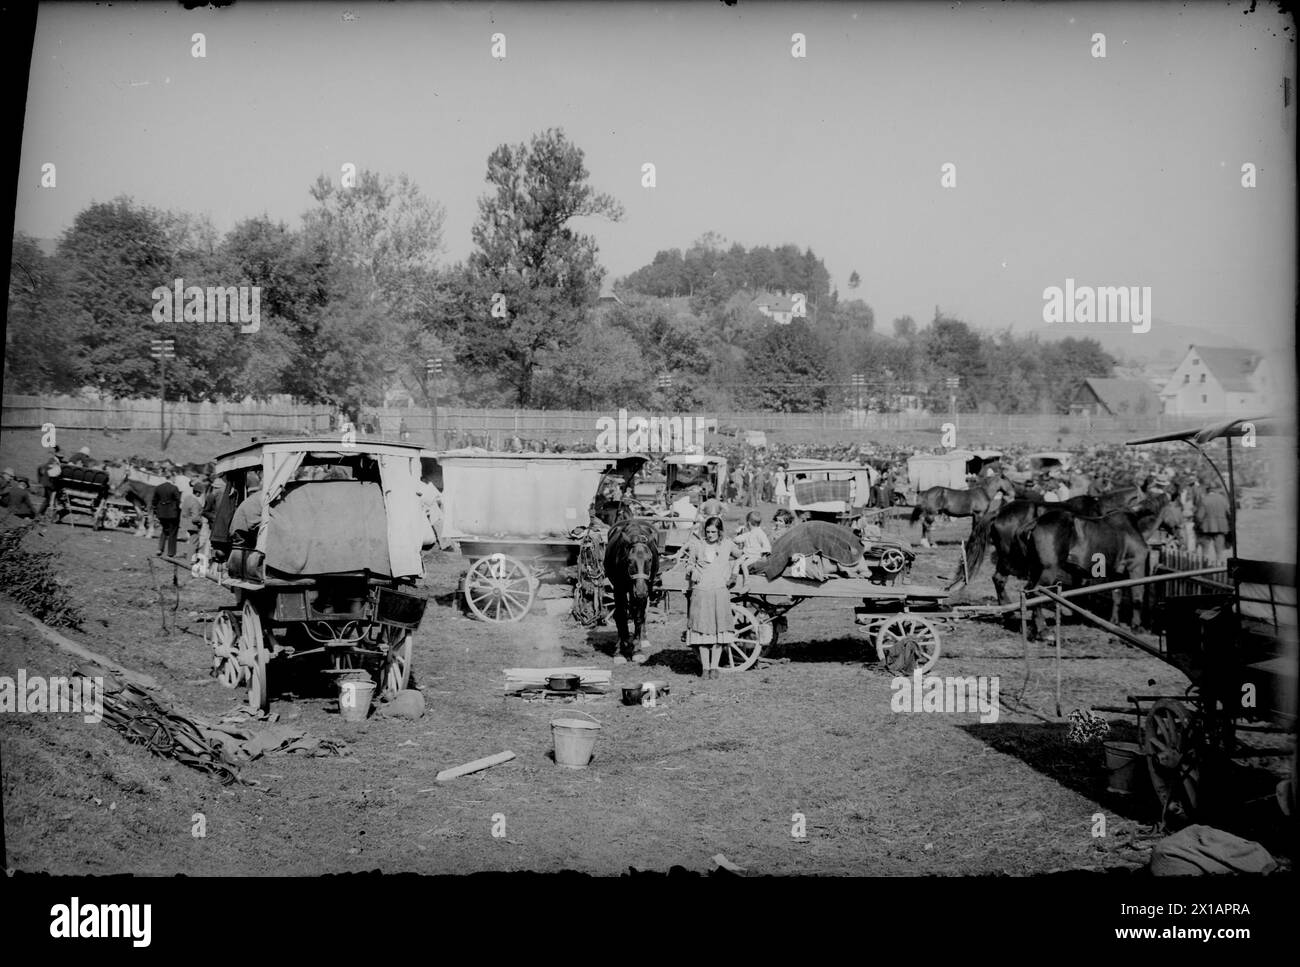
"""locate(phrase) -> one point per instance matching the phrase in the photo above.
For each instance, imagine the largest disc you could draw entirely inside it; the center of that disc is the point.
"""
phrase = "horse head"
(638, 554)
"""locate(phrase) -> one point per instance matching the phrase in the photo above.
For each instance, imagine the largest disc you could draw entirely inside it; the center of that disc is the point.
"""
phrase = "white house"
(1218, 381)
(779, 308)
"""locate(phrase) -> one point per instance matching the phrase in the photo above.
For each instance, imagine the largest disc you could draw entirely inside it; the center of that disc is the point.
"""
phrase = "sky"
(1122, 170)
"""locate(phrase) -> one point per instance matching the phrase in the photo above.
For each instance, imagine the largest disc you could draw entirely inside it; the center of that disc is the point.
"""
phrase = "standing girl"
(709, 625)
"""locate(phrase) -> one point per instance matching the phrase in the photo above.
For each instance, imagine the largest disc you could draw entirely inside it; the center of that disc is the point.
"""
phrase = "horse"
(1065, 548)
(1126, 498)
(632, 566)
(1047, 544)
(139, 494)
(959, 503)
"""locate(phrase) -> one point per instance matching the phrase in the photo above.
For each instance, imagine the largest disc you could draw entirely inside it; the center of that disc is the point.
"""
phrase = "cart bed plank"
(783, 587)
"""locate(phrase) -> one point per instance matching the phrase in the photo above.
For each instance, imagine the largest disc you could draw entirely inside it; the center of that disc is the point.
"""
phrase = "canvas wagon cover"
(330, 527)
(486, 497)
(938, 470)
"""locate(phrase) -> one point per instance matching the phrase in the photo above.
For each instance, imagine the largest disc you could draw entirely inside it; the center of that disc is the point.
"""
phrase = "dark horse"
(959, 503)
(1125, 499)
(1045, 544)
(632, 566)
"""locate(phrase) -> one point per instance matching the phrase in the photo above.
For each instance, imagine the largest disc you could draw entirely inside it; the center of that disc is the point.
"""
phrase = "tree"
(39, 346)
(117, 253)
(905, 327)
(527, 252)
(788, 369)
(854, 280)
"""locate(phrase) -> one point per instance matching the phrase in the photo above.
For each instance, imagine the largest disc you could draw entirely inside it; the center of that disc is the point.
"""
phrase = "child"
(754, 544)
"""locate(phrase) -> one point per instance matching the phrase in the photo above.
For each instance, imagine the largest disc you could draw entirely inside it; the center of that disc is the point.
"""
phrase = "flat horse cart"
(1236, 643)
(520, 519)
(331, 568)
(901, 621)
(87, 492)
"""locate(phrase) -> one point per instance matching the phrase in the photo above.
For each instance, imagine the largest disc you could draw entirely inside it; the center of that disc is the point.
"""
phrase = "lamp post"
(162, 350)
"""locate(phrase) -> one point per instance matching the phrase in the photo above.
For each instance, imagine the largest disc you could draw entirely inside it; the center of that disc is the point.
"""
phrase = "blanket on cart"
(335, 527)
(811, 538)
(821, 491)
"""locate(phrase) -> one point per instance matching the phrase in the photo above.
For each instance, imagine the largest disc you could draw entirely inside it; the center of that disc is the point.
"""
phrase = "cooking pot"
(564, 683)
(632, 695)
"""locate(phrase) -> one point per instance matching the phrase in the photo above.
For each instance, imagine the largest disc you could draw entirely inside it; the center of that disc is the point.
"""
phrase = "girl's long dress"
(708, 616)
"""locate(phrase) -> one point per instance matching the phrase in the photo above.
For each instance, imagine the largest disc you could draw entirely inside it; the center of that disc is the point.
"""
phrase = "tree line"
(357, 297)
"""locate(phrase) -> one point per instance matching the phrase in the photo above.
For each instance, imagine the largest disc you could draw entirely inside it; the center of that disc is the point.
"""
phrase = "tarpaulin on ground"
(820, 491)
(813, 537)
(329, 527)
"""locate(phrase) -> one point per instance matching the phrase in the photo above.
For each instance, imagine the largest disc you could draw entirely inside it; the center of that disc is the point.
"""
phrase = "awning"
(1263, 426)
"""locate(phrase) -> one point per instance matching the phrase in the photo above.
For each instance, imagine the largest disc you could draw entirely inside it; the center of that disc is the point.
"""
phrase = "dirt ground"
(719, 766)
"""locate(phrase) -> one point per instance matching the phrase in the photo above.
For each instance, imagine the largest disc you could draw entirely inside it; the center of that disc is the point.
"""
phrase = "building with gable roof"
(1116, 397)
(1217, 380)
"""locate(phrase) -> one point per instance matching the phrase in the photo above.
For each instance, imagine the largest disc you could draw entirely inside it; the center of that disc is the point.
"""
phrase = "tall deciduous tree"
(117, 253)
(787, 369)
(529, 253)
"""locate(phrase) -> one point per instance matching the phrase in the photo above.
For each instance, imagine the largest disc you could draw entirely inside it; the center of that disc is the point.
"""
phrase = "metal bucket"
(1122, 760)
(354, 699)
(575, 740)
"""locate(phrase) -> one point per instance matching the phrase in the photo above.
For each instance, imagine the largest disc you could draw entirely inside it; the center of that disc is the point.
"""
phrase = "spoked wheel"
(252, 654)
(223, 636)
(395, 672)
(744, 651)
(1173, 760)
(907, 643)
(607, 601)
(499, 588)
(893, 560)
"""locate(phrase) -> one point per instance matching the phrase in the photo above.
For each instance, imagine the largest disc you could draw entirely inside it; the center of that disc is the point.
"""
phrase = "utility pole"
(162, 350)
(954, 383)
(859, 381)
(432, 370)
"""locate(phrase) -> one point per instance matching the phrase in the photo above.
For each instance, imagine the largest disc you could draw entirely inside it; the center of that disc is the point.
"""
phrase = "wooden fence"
(499, 425)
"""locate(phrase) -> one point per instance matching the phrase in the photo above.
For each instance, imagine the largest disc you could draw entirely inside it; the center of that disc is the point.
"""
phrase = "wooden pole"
(1058, 656)
(475, 766)
(1092, 589)
(1102, 623)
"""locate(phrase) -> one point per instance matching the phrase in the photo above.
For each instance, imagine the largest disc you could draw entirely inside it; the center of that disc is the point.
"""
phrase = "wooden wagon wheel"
(223, 635)
(1173, 759)
(252, 654)
(395, 673)
(744, 651)
(499, 588)
(907, 643)
(607, 601)
(893, 560)
(100, 512)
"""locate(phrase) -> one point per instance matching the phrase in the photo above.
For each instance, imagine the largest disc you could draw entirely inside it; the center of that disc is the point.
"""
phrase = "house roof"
(1231, 367)
(1125, 395)
(777, 303)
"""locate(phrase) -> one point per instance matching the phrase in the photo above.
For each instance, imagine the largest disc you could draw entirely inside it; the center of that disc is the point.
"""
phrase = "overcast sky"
(1117, 171)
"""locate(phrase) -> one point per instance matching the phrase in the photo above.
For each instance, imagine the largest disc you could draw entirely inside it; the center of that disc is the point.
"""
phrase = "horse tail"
(917, 512)
(977, 546)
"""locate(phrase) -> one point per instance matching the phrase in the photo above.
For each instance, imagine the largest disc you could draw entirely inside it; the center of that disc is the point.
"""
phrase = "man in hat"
(248, 515)
(14, 496)
(166, 506)
(1212, 523)
(192, 517)
(46, 476)
(81, 458)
